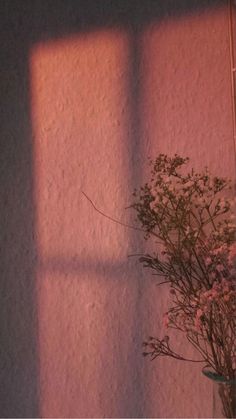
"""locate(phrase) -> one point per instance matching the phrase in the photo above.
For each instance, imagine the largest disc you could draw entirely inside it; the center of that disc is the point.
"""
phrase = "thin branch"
(111, 218)
(117, 221)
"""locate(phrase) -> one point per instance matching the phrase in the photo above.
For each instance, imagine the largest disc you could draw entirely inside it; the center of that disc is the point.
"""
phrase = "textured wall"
(94, 90)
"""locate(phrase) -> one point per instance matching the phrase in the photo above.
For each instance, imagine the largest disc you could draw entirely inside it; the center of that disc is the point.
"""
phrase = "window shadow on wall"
(21, 25)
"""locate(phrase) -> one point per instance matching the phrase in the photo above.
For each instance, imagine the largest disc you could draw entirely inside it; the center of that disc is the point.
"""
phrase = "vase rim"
(212, 375)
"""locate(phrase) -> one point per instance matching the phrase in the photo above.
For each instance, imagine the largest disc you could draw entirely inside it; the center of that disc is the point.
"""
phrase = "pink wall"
(129, 82)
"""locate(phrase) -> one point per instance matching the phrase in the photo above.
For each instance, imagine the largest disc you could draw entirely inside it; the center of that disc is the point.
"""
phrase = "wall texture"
(90, 90)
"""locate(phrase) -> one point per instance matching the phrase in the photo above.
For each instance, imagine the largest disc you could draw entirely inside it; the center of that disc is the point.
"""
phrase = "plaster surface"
(105, 87)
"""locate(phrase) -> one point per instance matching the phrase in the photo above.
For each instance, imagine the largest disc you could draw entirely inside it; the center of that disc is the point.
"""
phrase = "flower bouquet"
(190, 216)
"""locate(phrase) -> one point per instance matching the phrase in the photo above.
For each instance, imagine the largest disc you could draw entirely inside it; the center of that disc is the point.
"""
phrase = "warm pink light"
(186, 109)
(93, 312)
(79, 96)
(187, 87)
(79, 92)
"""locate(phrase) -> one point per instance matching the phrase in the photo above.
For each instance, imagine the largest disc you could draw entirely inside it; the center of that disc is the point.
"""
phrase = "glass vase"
(224, 400)
(224, 395)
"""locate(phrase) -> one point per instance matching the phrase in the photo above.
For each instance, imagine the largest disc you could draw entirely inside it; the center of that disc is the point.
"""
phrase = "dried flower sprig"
(156, 347)
(195, 224)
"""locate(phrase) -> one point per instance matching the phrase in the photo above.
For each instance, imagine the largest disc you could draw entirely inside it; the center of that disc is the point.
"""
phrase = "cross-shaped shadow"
(22, 25)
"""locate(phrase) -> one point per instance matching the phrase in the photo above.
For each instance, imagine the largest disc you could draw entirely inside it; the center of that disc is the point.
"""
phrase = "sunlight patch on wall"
(79, 100)
(80, 120)
(185, 109)
(186, 90)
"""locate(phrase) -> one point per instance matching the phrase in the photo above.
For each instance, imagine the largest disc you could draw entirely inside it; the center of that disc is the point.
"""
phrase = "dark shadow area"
(22, 24)
(18, 311)
(47, 19)
(61, 265)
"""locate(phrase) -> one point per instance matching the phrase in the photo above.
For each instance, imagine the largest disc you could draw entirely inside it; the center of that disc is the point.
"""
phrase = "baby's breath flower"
(208, 260)
(194, 222)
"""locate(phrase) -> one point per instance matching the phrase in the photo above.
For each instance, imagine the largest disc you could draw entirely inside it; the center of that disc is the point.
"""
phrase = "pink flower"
(219, 250)
(226, 286)
(199, 313)
(208, 261)
(219, 267)
(207, 296)
(215, 294)
(154, 203)
(232, 253)
(216, 286)
(166, 320)
(198, 319)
